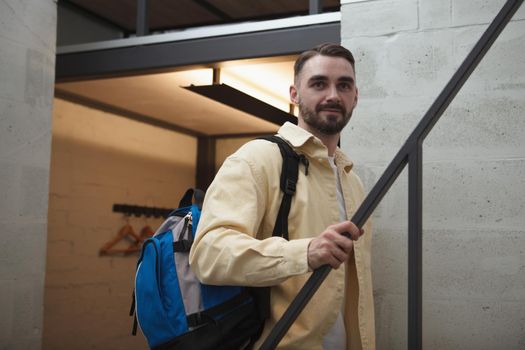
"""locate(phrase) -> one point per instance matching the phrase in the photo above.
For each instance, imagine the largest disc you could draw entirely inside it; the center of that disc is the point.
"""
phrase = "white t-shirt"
(335, 339)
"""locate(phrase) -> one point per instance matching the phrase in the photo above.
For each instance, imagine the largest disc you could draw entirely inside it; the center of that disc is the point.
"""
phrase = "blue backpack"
(173, 309)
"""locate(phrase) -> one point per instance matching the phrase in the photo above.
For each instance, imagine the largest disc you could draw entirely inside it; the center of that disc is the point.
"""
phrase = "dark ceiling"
(176, 14)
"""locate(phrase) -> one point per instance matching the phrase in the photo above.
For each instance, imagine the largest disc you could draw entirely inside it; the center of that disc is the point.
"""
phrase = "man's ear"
(356, 96)
(294, 95)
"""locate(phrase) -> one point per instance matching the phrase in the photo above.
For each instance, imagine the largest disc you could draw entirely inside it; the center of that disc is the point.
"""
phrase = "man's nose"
(333, 94)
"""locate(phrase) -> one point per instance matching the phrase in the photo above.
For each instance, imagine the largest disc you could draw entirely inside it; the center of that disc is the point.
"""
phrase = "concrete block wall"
(474, 167)
(99, 159)
(27, 69)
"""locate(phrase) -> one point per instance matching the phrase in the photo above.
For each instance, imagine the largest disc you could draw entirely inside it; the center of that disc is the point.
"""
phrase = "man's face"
(326, 93)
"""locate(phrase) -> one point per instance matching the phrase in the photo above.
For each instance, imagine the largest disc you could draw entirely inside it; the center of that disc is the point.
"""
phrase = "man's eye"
(344, 86)
(318, 84)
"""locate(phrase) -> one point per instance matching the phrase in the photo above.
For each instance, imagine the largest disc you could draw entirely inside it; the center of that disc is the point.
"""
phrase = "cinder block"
(34, 184)
(391, 321)
(466, 264)
(12, 69)
(389, 263)
(470, 323)
(31, 77)
(476, 125)
(27, 323)
(499, 70)
(379, 128)
(485, 125)
(22, 252)
(9, 187)
(484, 119)
(461, 194)
(29, 22)
(378, 17)
(475, 194)
(392, 211)
(434, 14)
(445, 13)
(478, 11)
(468, 280)
(412, 63)
(7, 305)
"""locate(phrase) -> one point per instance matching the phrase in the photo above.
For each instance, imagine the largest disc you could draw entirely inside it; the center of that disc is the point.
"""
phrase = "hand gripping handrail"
(410, 153)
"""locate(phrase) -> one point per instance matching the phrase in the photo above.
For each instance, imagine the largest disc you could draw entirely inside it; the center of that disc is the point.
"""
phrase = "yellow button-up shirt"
(234, 243)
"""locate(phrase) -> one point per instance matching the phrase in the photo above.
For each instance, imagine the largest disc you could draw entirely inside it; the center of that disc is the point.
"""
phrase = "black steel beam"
(206, 150)
(315, 7)
(239, 100)
(264, 17)
(216, 79)
(142, 17)
(165, 56)
(396, 166)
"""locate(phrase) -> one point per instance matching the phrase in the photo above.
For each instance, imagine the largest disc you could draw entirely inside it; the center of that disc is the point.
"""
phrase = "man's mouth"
(331, 109)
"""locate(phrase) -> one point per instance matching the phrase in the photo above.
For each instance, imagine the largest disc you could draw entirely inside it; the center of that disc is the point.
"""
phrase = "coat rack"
(137, 210)
(126, 233)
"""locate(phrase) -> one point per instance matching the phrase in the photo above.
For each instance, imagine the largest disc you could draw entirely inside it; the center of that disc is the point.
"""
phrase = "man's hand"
(331, 246)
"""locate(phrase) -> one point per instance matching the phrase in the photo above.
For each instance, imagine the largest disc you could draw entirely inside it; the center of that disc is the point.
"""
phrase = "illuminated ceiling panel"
(162, 97)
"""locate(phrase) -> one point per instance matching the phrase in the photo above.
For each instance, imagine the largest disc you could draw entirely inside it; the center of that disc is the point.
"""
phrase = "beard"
(332, 124)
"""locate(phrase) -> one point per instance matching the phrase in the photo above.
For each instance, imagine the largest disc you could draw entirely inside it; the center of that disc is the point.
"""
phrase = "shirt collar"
(310, 145)
(295, 135)
(343, 160)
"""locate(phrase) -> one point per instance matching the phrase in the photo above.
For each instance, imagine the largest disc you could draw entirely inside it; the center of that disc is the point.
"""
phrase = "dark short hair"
(326, 49)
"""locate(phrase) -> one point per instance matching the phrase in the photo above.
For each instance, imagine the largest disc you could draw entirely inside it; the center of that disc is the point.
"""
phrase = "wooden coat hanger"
(146, 232)
(125, 233)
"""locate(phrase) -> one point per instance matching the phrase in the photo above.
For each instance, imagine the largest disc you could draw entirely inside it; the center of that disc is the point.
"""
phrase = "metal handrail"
(410, 153)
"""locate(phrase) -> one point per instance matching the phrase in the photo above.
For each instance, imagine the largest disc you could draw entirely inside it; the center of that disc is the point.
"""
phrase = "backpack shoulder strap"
(192, 195)
(288, 182)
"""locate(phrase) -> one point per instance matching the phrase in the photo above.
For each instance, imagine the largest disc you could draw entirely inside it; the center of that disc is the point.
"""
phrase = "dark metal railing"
(411, 154)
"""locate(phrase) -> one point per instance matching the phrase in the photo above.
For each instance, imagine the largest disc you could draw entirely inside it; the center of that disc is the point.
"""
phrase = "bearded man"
(234, 243)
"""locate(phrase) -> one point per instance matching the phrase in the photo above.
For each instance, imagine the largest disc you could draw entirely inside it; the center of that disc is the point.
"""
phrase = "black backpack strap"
(133, 314)
(186, 199)
(210, 315)
(289, 177)
(198, 197)
(192, 196)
